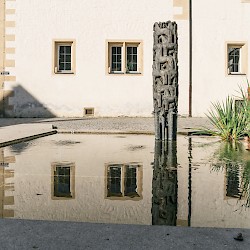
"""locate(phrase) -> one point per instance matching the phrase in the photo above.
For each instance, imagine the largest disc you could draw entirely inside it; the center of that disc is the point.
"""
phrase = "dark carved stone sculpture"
(165, 80)
(164, 186)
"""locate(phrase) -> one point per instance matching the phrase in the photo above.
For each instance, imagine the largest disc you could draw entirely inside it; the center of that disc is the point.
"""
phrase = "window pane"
(61, 58)
(130, 182)
(68, 58)
(131, 58)
(61, 49)
(68, 49)
(119, 58)
(62, 182)
(134, 67)
(113, 68)
(119, 50)
(64, 57)
(116, 59)
(119, 67)
(67, 66)
(61, 66)
(233, 59)
(114, 181)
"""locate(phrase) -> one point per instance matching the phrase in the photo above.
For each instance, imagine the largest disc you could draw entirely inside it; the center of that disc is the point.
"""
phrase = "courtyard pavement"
(18, 128)
(27, 234)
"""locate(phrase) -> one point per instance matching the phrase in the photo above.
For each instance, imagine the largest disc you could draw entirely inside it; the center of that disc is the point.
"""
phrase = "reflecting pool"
(129, 179)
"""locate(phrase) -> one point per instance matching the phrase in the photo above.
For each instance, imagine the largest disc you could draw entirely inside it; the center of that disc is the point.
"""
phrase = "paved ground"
(11, 129)
(25, 234)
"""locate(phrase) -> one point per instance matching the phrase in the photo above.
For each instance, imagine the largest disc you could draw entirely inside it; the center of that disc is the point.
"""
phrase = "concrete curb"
(27, 138)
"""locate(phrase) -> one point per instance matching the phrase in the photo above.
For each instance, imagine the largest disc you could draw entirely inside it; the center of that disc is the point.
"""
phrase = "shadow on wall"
(19, 103)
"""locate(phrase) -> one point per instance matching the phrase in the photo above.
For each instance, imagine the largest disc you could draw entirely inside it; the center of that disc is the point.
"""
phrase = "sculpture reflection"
(164, 201)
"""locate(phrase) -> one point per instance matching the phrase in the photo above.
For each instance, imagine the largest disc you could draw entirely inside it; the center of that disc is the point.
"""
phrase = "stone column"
(165, 80)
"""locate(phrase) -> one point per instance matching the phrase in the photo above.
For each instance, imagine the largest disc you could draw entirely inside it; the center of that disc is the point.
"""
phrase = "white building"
(75, 58)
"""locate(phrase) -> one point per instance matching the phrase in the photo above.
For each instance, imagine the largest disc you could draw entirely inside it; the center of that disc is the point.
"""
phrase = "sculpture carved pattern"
(165, 80)
(164, 186)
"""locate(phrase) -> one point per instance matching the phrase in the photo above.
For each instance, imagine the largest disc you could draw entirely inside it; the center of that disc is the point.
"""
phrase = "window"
(124, 181)
(88, 111)
(63, 180)
(124, 57)
(236, 58)
(64, 56)
(238, 105)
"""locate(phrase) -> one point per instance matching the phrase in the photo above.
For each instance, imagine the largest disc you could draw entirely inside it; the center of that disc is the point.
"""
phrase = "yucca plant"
(231, 122)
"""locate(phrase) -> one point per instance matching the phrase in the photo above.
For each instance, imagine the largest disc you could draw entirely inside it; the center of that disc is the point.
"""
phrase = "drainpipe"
(190, 60)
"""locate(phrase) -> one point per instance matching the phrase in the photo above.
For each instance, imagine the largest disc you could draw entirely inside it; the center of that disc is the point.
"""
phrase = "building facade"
(79, 58)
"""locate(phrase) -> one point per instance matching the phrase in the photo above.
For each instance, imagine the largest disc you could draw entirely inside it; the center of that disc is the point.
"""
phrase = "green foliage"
(235, 161)
(231, 122)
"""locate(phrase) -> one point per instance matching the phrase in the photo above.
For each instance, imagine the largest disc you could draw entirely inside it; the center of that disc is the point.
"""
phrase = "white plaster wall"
(38, 92)
(90, 23)
(214, 23)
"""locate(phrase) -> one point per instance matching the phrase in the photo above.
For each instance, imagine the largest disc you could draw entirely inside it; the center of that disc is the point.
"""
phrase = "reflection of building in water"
(124, 181)
(63, 180)
(6, 186)
(164, 201)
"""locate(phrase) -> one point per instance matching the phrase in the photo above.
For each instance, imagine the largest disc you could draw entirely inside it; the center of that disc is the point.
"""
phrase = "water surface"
(128, 179)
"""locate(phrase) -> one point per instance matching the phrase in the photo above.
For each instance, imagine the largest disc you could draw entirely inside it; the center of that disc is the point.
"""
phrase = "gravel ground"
(104, 124)
(126, 124)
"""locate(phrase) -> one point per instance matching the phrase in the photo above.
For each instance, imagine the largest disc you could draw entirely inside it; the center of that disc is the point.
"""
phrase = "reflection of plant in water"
(235, 160)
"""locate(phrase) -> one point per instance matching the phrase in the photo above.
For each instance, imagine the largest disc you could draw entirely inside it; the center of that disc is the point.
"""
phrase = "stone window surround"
(54, 165)
(139, 181)
(243, 57)
(124, 44)
(56, 43)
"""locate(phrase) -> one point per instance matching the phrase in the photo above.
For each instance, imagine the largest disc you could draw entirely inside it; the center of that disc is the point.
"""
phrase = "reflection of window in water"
(114, 181)
(130, 181)
(124, 181)
(233, 181)
(63, 180)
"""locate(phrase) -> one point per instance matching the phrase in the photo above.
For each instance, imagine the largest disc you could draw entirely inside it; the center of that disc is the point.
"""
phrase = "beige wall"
(39, 92)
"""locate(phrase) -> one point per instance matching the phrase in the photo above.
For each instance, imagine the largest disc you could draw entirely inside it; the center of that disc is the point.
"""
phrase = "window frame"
(56, 46)
(123, 180)
(243, 54)
(124, 44)
(70, 165)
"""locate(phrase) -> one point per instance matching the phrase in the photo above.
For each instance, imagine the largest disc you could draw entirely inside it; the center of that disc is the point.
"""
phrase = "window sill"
(64, 73)
(236, 74)
(125, 73)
